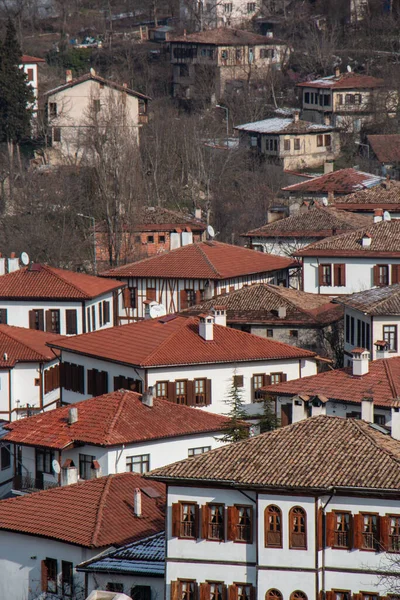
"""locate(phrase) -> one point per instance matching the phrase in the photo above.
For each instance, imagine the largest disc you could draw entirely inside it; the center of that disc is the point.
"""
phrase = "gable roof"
(203, 260)
(386, 196)
(26, 59)
(376, 301)
(316, 221)
(382, 382)
(91, 76)
(345, 81)
(45, 282)
(317, 453)
(283, 126)
(19, 344)
(260, 302)
(175, 340)
(95, 514)
(386, 147)
(145, 557)
(224, 36)
(112, 420)
(385, 242)
(343, 181)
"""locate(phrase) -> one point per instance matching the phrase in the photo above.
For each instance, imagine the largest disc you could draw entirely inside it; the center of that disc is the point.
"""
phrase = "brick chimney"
(360, 361)
(206, 327)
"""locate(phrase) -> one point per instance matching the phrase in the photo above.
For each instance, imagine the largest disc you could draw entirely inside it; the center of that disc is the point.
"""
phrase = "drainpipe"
(323, 543)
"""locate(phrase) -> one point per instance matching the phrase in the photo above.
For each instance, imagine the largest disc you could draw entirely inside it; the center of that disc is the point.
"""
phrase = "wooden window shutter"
(151, 294)
(117, 383)
(224, 592)
(376, 274)
(3, 316)
(330, 524)
(204, 591)
(106, 311)
(205, 515)
(253, 392)
(196, 521)
(343, 275)
(320, 275)
(283, 377)
(72, 323)
(395, 274)
(330, 595)
(384, 523)
(351, 531)
(208, 392)
(81, 375)
(357, 597)
(232, 522)
(358, 530)
(232, 591)
(320, 528)
(126, 295)
(336, 275)
(32, 319)
(90, 381)
(190, 400)
(252, 592)
(49, 324)
(198, 297)
(251, 525)
(44, 576)
(174, 590)
(267, 379)
(183, 299)
(176, 519)
(41, 320)
(171, 391)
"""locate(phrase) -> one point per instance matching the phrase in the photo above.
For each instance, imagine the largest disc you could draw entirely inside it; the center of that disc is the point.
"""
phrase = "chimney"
(137, 502)
(92, 71)
(197, 213)
(387, 182)
(296, 116)
(2, 265)
(206, 327)
(378, 215)
(366, 240)
(381, 349)
(396, 420)
(125, 85)
(95, 470)
(282, 312)
(318, 405)
(219, 314)
(147, 304)
(148, 397)
(299, 408)
(72, 415)
(331, 197)
(327, 120)
(69, 472)
(329, 166)
(184, 33)
(12, 263)
(337, 71)
(270, 34)
(68, 75)
(367, 409)
(360, 361)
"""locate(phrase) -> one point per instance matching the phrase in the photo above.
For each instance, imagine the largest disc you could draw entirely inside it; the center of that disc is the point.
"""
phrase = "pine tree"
(269, 420)
(16, 96)
(235, 430)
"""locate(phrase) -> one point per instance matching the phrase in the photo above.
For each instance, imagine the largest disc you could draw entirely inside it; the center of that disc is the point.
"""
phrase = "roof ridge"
(11, 337)
(389, 374)
(200, 249)
(186, 320)
(372, 440)
(116, 416)
(58, 276)
(100, 511)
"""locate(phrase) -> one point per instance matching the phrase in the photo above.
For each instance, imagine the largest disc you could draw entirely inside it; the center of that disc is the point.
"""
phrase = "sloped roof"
(224, 36)
(382, 383)
(112, 420)
(318, 453)
(385, 196)
(343, 181)
(93, 77)
(385, 147)
(45, 282)
(385, 242)
(26, 59)
(145, 557)
(317, 221)
(175, 340)
(260, 302)
(95, 514)
(376, 301)
(345, 81)
(19, 344)
(283, 126)
(156, 218)
(203, 260)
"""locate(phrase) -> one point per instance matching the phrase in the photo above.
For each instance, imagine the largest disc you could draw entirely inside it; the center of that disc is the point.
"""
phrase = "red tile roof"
(385, 147)
(95, 514)
(112, 420)
(343, 181)
(345, 81)
(386, 196)
(385, 242)
(19, 344)
(223, 36)
(382, 382)
(93, 77)
(204, 260)
(25, 58)
(45, 282)
(174, 340)
(376, 301)
(319, 453)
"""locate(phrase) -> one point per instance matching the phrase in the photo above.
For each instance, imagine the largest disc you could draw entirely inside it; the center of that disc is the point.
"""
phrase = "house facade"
(30, 66)
(217, 14)
(185, 276)
(291, 143)
(281, 529)
(383, 152)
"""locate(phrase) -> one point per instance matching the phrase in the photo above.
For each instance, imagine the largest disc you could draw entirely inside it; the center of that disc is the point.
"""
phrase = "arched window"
(273, 527)
(297, 595)
(273, 595)
(298, 529)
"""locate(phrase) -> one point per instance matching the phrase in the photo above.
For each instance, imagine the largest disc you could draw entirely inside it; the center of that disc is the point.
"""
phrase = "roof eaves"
(100, 512)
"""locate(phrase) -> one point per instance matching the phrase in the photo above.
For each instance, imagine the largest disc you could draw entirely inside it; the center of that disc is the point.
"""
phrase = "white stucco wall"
(98, 581)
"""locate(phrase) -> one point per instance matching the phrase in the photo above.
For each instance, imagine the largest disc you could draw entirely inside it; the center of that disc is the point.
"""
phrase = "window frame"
(267, 515)
(5, 451)
(142, 463)
(194, 522)
(348, 545)
(390, 535)
(291, 532)
(84, 460)
(51, 569)
(220, 525)
(375, 534)
(386, 336)
(192, 451)
(67, 582)
(162, 383)
(250, 525)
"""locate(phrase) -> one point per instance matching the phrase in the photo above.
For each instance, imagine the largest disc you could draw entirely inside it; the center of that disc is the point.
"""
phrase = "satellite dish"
(56, 466)
(24, 258)
(386, 216)
(157, 310)
(348, 68)
(210, 231)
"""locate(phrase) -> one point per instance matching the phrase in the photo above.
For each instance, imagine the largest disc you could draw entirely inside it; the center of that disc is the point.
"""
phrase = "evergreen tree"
(269, 420)
(16, 96)
(235, 430)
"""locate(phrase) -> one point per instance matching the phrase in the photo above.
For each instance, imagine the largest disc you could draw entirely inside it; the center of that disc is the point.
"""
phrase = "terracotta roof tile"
(204, 260)
(95, 514)
(385, 147)
(175, 340)
(42, 281)
(345, 81)
(318, 453)
(343, 181)
(377, 301)
(93, 77)
(113, 419)
(385, 196)
(19, 344)
(223, 36)
(25, 58)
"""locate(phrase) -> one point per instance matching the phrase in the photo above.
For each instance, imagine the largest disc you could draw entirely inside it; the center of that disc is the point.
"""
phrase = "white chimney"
(72, 415)
(187, 238)
(147, 305)
(69, 473)
(366, 240)
(174, 240)
(206, 327)
(378, 215)
(148, 397)
(382, 349)
(299, 408)
(329, 165)
(360, 361)
(13, 263)
(367, 409)
(95, 470)
(337, 71)
(396, 420)
(137, 502)
(198, 213)
(219, 313)
(296, 116)
(270, 34)
(68, 75)
(2, 265)
(318, 406)
(282, 312)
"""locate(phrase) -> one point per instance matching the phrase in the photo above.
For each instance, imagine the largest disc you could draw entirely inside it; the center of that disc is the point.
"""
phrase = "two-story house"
(298, 513)
(382, 197)
(30, 66)
(353, 262)
(204, 63)
(73, 107)
(57, 300)
(193, 361)
(207, 15)
(185, 276)
(291, 143)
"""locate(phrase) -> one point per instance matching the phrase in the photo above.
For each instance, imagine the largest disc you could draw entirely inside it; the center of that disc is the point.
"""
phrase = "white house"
(216, 13)
(30, 66)
(185, 276)
(46, 534)
(298, 513)
(114, 433)
(58, 301)
(353, 262)
(193, 361)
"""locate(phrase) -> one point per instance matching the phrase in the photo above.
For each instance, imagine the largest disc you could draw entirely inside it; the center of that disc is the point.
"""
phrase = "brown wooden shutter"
(176, 519)
(357, 597)
(336, 275)
(81, 378)
(330, 595)
(41, 320)
(267, 379)
(49, 324)
(208, 392)
(358, 530)
(106, 311)
(384, 523)
(224, 592)
(205, 516)
(32, 319)
(351, 531)
(183, 299)
(90, 381)
(126, 297)
(117, 383)
(171, 391)
(251, 525)
(376, 275)
(3, 316)
(196, 521)
(252, 388)
(44, 576)
(72, 323)
(330, 524)
(174, 590)
(320, 528)
(252, 592)
(151, 294)
(320, 275)
(232, 592)
(283, 377)
(343, 275)
(395, 274)
(232, 522)
(204, 591)
(190, 399)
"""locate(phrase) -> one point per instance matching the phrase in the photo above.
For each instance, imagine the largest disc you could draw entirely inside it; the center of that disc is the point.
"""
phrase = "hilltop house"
(212, 14)
(187, 275)
(30, 66)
